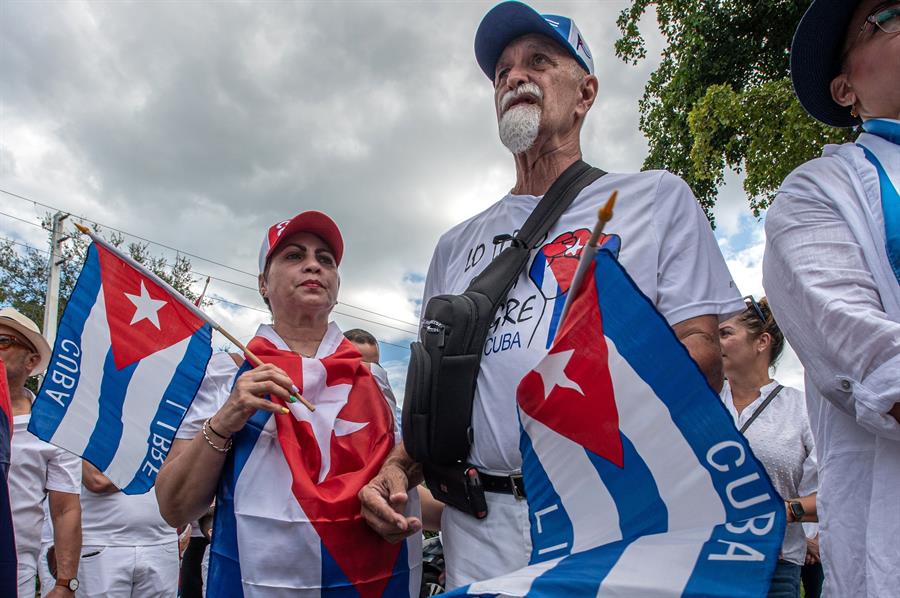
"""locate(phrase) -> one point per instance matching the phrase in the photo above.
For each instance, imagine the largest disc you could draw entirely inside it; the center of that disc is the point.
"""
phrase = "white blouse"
(782, 441)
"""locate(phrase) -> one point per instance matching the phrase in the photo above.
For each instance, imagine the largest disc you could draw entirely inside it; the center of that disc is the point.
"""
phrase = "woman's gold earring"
(853, 112)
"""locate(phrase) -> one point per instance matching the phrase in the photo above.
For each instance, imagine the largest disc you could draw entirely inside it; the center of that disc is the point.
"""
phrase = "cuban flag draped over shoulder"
(638, 482)
(129, 356)
(288, 519)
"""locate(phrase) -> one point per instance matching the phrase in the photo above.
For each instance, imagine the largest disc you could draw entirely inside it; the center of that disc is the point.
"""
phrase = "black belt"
(505, 484)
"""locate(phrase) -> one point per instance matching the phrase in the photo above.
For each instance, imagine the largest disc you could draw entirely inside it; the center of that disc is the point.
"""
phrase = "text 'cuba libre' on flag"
(129, 356)
(638, 482)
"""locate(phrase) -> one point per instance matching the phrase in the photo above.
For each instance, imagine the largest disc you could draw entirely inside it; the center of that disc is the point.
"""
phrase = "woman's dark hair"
(751, 320)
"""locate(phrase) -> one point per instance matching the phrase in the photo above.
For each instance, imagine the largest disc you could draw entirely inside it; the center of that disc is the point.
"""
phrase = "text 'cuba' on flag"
(638, 483)
(128, 359)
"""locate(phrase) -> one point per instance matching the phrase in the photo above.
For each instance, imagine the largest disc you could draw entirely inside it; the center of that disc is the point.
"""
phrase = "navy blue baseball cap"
(816, 59)
(510, 20)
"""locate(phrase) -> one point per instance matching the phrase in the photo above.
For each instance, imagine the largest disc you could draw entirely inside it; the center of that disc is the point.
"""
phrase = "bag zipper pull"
(435, 327)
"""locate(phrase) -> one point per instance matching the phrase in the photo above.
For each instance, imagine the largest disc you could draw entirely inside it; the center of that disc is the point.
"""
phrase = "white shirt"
(667, 247)
(830, 285)
(36, 467)
(782, 440)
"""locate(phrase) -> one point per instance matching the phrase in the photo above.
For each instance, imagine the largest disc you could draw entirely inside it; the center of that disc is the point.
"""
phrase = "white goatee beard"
(519, 127)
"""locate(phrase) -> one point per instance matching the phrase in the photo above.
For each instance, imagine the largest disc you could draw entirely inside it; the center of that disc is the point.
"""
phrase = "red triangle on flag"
(143, 316)
(570, 391)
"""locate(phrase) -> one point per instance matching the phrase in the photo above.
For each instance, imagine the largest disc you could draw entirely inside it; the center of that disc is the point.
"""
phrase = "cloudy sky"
(198, 124)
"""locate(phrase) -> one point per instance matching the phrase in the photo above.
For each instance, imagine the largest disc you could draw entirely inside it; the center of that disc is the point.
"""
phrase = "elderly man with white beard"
(544, 86)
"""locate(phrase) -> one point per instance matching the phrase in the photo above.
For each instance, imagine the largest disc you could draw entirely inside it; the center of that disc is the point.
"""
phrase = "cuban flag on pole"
(638, 482)
(130, 355)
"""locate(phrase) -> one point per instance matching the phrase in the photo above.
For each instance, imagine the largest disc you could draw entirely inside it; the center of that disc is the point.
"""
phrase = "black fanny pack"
(444, 364)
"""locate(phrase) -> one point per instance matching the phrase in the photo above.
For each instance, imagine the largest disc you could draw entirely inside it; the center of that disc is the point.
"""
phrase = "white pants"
(126, 571)
(479, 549)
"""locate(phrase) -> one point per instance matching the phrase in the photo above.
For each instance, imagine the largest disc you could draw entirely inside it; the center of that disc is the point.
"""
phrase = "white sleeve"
(827, 302)
(434, 280)
(213, 392)
(809, 481)
(692, 277)
(64, 472)
(381, 377)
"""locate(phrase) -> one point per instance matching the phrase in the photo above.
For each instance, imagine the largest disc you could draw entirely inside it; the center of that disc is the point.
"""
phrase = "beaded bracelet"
(228, 441)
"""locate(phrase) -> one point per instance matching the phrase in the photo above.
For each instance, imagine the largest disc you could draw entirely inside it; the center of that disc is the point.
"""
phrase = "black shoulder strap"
(498, 277)
(759, 409)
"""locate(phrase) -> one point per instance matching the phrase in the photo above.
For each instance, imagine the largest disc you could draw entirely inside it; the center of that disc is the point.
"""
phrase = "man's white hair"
(519, 125)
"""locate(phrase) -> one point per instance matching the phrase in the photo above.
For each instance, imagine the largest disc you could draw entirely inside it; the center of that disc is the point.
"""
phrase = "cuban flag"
(554, 266)
(7, 536)
(638, 482)
(288, 520)
(129, 356)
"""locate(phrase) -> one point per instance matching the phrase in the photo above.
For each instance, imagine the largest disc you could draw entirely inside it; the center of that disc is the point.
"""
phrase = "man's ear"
(588, 90)
(33, 360)
(841, 90)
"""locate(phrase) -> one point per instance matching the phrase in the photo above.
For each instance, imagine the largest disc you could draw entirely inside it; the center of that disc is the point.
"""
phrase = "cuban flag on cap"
(129, 357)
(638, 483)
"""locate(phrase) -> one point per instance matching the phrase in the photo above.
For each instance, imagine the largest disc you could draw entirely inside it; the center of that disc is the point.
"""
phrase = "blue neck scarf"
(886, 159)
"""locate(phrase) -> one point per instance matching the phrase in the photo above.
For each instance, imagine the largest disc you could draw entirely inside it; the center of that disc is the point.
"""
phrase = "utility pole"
(51, 303)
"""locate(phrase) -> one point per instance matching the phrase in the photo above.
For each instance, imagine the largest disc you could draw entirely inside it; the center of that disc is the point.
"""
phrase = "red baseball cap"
(313, 222)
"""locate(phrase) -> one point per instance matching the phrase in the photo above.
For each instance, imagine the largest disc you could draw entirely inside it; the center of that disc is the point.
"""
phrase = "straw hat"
(24, 326)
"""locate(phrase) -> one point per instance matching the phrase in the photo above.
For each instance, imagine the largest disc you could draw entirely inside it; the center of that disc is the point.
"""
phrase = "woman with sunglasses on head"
(773, 419)
(832, 272)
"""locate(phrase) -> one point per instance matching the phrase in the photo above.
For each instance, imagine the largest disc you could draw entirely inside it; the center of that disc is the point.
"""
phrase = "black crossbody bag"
(444, 365)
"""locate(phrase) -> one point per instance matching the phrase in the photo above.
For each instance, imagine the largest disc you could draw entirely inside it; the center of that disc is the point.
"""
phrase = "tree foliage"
(721, 97)
(24, 271)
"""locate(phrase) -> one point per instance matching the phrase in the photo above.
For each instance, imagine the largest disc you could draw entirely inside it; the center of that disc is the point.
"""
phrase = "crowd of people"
(237, 474)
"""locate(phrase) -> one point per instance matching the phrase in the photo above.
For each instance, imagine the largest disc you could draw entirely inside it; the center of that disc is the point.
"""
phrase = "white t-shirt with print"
(665, 243)
(36, 467)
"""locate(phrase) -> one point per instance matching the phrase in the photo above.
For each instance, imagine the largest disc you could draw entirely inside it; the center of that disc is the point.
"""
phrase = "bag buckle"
(514, 481)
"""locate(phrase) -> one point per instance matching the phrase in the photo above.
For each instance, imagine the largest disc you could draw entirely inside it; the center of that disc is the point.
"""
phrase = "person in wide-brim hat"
(831, 272)
(32, 334)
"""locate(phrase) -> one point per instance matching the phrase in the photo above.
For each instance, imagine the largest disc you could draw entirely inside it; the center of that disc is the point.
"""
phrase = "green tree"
(721, 97)
(23, 273)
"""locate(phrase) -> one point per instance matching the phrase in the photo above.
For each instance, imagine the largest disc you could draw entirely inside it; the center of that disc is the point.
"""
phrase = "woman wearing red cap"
(832, 274)
(285, 478)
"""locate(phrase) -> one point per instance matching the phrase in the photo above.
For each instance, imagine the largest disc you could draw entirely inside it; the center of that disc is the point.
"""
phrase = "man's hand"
(60, 592)
(812, 550)
(384, 502)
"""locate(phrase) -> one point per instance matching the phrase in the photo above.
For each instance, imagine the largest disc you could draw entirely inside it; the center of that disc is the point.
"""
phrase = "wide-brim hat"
(24, 326)
(815, 59)
(510, 20)
(311, 221)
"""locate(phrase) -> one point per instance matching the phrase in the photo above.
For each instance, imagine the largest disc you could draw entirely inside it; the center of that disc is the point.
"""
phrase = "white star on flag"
(146, 307)
(552, 372)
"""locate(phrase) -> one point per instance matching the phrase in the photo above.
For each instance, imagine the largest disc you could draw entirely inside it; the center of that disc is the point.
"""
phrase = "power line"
(29, 222)
(199, 257)
(250, 307)
(14, 242)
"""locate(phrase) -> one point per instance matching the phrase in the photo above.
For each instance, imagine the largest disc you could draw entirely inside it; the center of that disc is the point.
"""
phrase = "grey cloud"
(200, 124)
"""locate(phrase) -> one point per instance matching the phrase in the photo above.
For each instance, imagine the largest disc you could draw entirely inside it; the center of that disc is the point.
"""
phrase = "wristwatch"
(797, 510)
(69, 584)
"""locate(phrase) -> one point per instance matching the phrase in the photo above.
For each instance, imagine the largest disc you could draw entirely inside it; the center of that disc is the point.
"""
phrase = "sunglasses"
(752, 304)
(886, 19)
(7, 341)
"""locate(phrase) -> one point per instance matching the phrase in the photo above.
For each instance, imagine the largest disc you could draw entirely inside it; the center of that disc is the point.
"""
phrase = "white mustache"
(525, 88)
